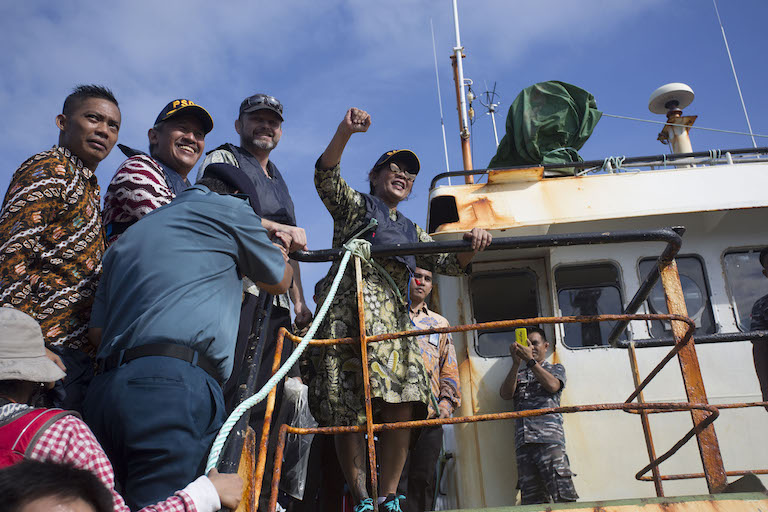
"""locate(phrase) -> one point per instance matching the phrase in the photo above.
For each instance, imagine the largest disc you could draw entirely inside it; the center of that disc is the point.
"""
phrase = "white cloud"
(320, 58)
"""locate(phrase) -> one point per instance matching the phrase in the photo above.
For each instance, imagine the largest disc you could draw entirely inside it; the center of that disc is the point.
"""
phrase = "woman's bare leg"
(394, 446)
(350, 449)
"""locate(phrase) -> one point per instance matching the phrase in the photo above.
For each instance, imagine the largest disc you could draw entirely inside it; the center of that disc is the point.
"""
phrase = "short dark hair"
(761, 257)
(82, 92)
(539, 331)
(216, 185)
(153, 147)
(373, 172)
(29, 480)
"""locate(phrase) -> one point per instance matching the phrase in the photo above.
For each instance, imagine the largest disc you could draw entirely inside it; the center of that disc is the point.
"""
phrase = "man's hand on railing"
(229, 487)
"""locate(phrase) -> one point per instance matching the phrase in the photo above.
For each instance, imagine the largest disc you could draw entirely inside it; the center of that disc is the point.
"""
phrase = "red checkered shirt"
(70, 441)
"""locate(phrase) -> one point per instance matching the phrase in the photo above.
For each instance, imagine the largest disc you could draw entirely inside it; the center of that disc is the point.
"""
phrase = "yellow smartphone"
(521, 336)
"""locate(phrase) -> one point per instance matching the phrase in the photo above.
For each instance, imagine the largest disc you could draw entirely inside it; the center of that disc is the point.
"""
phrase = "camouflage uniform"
(542, 464)
(759, 322)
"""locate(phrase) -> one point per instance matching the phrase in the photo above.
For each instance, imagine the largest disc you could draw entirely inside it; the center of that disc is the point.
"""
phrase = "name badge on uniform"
(434, 339)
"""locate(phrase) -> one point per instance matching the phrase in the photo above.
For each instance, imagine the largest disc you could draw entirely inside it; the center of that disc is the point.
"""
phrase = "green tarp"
(547, 124)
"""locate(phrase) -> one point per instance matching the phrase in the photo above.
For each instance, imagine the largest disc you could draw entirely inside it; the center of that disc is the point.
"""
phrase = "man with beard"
(259, 125)
(50, 227)
(146, 182)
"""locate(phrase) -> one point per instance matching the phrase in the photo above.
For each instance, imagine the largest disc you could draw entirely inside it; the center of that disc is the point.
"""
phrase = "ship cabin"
(719, 199)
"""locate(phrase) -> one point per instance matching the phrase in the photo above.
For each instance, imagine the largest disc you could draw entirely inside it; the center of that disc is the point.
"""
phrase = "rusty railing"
(702, 413)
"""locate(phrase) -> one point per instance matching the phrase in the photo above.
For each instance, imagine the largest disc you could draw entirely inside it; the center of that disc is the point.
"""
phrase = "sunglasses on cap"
(397, 171)
(261, 99)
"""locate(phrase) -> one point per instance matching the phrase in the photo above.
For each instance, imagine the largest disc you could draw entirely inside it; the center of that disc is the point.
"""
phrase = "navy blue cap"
(406, 156)
(236, 178)
(182, 107)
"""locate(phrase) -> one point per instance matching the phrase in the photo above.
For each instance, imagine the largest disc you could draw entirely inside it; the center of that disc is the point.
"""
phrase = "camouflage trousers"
(544, 474)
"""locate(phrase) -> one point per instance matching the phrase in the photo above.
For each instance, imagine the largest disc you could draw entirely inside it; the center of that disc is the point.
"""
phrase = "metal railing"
(702, 413)
(651, 161)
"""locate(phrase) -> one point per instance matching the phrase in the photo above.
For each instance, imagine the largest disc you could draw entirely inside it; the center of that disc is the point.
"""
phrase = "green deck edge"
(742, 496)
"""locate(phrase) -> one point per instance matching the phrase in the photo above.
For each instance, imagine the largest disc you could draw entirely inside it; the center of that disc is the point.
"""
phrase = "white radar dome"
(666, 97)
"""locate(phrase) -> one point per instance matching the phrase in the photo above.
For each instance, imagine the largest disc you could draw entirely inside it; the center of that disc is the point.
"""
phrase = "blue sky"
(319, 58)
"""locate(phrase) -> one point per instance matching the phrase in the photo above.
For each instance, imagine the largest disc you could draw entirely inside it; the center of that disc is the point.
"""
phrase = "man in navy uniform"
(760, 323)
(542, 465)
(165, 319)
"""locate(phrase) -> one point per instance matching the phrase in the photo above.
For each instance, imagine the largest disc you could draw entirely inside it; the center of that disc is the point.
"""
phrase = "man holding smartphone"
(543, 469)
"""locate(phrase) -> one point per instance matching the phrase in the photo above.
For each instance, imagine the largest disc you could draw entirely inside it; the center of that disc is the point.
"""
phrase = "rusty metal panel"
(515, 175)
(508, 203)
(709, 447)
(246, 470)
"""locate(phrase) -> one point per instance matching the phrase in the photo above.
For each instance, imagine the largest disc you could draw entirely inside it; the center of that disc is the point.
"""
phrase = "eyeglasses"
(397, 171)
(262, 99)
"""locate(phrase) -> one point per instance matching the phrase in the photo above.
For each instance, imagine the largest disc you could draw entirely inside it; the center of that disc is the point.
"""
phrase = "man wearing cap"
(58, 436)
(145, 182)
(51, 240)
(165, 318)
(259, 125)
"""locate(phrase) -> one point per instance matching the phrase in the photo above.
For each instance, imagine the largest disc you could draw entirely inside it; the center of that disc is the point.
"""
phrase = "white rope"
(694, 126)
(357, 247)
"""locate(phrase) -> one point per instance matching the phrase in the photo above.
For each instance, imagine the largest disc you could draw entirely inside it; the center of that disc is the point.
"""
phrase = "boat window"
(502, 296)
(593, 289)
(695, 290)
(746, 284)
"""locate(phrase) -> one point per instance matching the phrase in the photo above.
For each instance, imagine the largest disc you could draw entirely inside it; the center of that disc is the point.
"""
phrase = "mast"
(461, 98)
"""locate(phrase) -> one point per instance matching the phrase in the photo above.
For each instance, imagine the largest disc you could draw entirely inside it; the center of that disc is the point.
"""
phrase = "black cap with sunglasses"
(406, 156)
(262, 102)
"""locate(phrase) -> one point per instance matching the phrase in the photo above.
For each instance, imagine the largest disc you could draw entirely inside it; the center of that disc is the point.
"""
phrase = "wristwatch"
(530, 363)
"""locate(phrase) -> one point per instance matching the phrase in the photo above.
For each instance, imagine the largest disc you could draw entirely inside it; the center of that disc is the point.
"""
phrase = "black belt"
(157, 349)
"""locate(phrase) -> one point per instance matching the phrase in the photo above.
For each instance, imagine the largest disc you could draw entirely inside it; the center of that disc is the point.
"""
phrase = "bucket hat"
(22, 349)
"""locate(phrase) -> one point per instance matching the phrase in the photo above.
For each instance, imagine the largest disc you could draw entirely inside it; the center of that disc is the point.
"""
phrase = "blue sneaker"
(392, 503)
(365, 506)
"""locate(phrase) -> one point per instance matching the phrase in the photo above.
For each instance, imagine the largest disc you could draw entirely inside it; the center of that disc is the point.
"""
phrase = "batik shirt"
(530, 394)
(439, 359)
(397, 368)
(52, 244)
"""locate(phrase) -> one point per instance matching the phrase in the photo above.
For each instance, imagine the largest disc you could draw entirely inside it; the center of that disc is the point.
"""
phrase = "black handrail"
(643, 292)
(597, 163)
(724, 337)
(672, 237)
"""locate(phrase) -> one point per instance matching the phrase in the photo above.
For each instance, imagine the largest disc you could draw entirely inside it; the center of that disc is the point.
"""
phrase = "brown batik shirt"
(51, 244)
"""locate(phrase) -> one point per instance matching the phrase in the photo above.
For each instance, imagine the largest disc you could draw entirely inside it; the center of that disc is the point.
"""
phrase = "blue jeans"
(156, 418)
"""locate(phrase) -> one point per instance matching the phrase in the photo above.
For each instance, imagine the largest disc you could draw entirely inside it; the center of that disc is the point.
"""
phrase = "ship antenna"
(490, 103)
(440, 101)
(736, 78)
(461, 97)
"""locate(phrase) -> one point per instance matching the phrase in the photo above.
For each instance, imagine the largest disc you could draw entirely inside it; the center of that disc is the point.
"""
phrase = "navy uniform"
(759, 322)
(542, 464)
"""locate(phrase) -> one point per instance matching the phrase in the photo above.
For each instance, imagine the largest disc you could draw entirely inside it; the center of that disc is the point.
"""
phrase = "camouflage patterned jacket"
(530, 394)
(759, 315)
